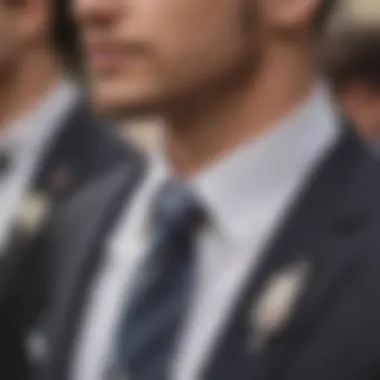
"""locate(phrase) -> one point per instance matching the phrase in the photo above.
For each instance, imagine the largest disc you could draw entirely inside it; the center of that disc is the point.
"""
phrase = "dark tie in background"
(158, 304)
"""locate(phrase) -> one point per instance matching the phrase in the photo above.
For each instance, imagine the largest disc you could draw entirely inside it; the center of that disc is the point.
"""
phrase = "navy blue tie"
(155, 313)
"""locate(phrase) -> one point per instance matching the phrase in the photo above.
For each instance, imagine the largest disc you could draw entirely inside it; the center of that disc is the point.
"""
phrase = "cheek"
(190, 43)
(196, 38)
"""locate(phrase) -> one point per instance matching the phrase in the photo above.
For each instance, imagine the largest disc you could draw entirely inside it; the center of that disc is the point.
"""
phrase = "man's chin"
(120, 109)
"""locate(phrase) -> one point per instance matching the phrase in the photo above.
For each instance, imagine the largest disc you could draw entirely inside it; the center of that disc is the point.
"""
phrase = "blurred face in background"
(145, 55)
(10, 44)
(361, 102)
(22, 23)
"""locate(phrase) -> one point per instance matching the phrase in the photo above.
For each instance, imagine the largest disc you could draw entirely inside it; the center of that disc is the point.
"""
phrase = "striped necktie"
(153, 318)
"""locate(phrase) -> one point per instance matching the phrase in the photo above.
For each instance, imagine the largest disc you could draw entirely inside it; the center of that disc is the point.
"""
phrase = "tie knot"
(177, 206)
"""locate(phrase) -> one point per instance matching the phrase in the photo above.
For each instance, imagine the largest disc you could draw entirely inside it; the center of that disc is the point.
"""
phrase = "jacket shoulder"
(94, 145)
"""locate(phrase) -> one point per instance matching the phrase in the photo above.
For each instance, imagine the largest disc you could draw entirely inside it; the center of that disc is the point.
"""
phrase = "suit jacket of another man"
(82, 150)
(311, 309)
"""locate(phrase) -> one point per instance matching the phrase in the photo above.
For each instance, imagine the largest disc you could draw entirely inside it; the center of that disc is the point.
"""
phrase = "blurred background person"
(352, 64)
(50, 145)
(246, 246)
(350, 58)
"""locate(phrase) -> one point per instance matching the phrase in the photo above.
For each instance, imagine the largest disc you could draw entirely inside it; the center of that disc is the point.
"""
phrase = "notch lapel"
(64, 167)
(320, 232)
(92, 228)
(43, 197)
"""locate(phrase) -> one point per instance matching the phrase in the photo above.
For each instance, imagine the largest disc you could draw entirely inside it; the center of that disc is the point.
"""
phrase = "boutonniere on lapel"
(32, 214)
(279, 297)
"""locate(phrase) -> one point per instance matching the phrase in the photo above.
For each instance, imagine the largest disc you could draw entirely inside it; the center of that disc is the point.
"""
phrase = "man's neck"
(31, 83)
(200, 135)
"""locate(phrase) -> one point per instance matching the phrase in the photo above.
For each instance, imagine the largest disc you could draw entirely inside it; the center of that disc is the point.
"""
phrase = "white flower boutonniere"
(274, 308)
(33, 213)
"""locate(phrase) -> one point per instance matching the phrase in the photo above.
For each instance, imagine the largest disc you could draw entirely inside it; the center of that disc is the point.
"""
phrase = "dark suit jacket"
(331, 331)
(83, 149)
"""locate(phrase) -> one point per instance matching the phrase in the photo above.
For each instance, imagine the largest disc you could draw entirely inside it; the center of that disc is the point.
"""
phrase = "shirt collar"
(246, 184)
(249, 182)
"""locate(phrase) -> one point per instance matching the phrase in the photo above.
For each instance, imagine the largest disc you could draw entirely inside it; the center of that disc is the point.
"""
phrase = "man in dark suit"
(50, 146)
(247, 245)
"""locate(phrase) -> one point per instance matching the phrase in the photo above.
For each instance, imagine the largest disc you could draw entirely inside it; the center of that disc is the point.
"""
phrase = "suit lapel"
(80, 153)
(74, 153)
(63, 163)
(316, 239)
(64, 168)
(109, 199)
(50, 186)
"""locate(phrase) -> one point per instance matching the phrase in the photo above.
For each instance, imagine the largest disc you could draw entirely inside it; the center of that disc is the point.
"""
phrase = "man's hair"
(64, 34)
(353, 55)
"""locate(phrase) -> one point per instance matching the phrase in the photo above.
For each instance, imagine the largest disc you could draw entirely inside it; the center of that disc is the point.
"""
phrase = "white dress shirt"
(246, 195)
(25, 140)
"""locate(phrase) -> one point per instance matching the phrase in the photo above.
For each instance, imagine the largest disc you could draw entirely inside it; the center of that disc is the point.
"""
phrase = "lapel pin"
(275, 306)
